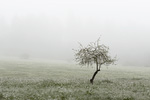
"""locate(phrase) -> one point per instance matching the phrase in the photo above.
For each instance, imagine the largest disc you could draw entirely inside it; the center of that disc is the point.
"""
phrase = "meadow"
(44, 80)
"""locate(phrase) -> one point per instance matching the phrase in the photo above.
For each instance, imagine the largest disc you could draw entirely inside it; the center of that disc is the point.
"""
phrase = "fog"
(50, 29)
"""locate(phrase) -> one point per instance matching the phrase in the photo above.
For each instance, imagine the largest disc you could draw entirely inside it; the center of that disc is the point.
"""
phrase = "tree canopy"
(94, 53)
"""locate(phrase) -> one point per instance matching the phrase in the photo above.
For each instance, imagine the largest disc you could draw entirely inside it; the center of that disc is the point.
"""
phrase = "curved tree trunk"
(97, 70)
(92, 79)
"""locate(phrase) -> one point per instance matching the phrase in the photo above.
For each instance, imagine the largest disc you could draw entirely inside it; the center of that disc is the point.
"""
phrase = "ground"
(39, 80)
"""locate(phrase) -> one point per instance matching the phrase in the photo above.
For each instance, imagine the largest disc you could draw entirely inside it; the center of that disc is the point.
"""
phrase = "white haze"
(52, 28)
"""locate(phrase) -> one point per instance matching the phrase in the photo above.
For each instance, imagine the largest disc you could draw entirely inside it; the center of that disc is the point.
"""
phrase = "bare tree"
(94, 53)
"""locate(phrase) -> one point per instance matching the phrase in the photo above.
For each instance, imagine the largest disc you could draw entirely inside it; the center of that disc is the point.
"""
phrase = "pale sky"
(52, 28)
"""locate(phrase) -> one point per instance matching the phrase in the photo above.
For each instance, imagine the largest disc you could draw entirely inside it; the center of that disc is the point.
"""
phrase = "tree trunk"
(97, 70)
(92, 79)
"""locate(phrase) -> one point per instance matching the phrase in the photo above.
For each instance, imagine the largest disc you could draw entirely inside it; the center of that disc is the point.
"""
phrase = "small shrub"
(106, 81)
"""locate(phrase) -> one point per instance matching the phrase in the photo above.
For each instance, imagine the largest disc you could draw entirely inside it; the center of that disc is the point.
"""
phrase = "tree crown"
(94, 53)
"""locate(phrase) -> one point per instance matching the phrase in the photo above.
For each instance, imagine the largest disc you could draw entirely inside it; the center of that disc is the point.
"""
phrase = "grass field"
(35, 80)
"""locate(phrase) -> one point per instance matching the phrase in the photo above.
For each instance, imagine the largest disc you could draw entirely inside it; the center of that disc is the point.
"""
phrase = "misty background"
(50, 29)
